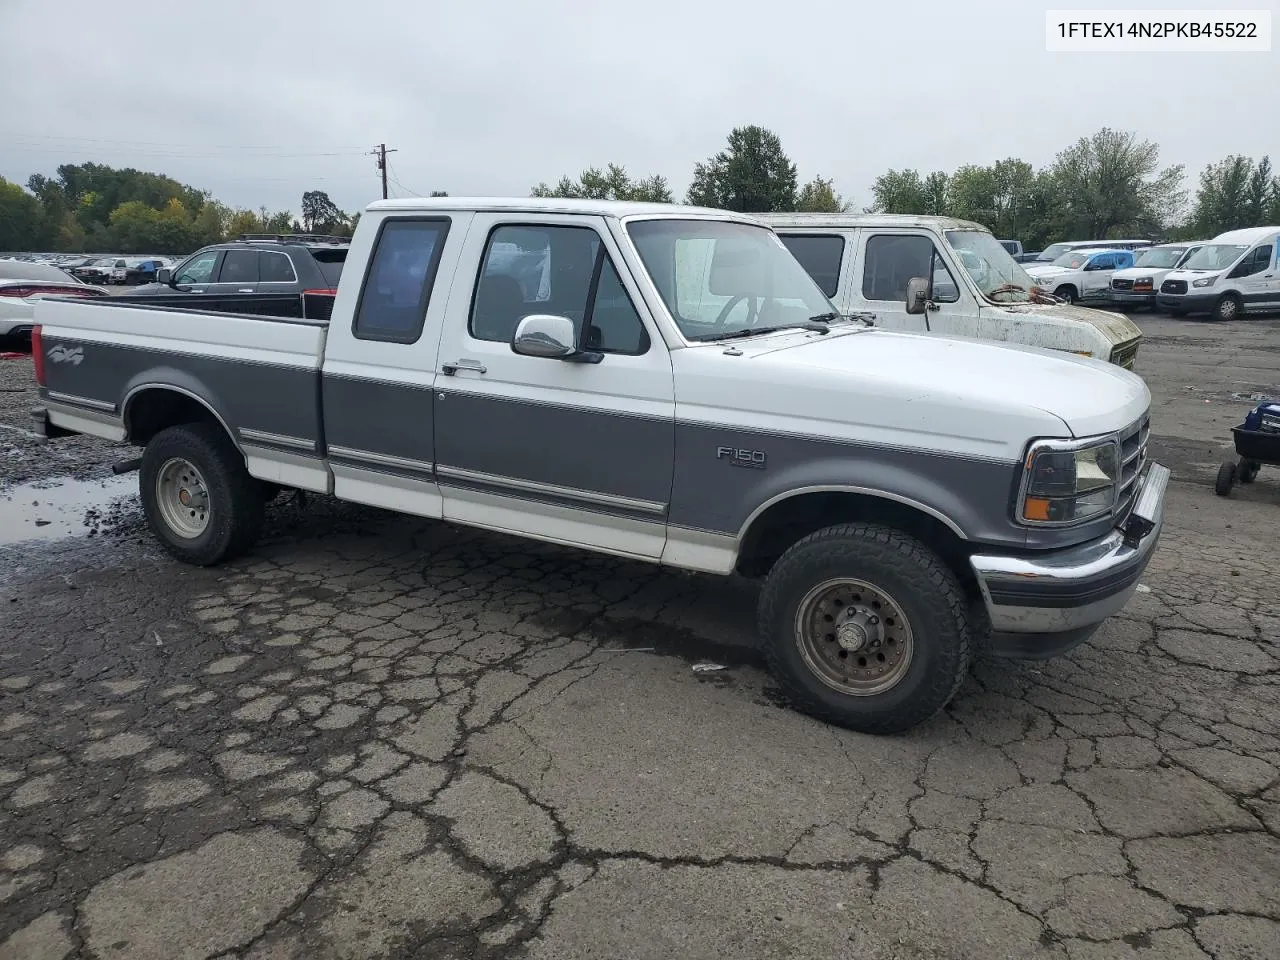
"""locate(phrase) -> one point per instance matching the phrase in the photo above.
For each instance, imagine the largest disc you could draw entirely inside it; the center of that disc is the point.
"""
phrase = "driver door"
(578, 453)
(196, 275)
(1096, 277)
(889, 260)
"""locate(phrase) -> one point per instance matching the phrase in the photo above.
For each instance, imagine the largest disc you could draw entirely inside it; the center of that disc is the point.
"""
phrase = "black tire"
(1226, 479)
(1247, 470)
(235, 501)
(1066, 292)
(1227, 308)
(912, 576)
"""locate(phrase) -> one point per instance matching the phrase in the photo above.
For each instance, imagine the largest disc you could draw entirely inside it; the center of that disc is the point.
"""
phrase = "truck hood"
(1116, 327)
(918, 390)
(1045, 270)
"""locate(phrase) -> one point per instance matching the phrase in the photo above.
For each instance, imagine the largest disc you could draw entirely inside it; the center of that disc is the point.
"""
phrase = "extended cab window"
(564, 271)
(892, 260)
(275, 268)
(199, 269)
(393, 303)
(820, 256)
(239, 266)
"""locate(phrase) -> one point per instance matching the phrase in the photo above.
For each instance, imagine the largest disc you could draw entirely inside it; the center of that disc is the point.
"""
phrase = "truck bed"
(105, 363)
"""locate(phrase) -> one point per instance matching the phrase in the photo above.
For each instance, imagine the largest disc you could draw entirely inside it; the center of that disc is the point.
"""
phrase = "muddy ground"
(379, 737)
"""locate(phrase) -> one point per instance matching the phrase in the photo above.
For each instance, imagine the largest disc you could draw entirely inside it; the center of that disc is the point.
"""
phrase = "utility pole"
(381, 151)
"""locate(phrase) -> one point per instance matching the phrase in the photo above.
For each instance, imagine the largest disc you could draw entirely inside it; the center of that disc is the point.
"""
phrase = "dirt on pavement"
(384, 737)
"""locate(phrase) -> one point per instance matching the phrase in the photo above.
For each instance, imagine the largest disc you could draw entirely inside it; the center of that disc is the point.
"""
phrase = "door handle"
(245, 290)
(449, 369)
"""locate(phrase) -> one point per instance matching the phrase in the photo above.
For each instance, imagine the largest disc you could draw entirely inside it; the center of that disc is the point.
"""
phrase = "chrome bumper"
(1072, 591)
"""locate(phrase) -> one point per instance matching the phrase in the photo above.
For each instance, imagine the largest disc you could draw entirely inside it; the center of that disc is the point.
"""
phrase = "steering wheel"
(754, 309)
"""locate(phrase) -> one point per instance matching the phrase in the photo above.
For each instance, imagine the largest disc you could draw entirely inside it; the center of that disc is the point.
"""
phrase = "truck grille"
(1173, 286)
(1124, 354)
(1133, 457)
(1121, 284)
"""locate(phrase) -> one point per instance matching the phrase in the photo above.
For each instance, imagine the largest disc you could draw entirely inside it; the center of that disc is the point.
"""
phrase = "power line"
(396, 180)
(171, 145)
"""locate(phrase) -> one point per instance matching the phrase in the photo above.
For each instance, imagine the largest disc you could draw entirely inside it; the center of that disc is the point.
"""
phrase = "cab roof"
(617, 209)
(1247, 235)
(849, 220)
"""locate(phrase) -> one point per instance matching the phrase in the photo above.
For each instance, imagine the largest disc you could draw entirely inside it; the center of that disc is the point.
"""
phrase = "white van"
(864, 262)
(1233, 273)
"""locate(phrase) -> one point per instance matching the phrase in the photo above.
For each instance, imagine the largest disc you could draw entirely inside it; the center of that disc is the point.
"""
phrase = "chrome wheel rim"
(1227, 309)
(182, 498)
(854, 637)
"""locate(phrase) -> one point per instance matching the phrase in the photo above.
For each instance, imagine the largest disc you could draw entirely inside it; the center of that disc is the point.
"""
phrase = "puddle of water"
(47, 510)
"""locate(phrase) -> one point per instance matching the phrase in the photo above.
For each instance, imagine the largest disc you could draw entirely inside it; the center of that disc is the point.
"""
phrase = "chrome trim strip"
(279, 439)
(81, 401)
(380, 459)
(548, 489)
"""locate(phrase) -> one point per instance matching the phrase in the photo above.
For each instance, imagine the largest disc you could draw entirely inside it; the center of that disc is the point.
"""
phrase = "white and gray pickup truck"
(661, 383)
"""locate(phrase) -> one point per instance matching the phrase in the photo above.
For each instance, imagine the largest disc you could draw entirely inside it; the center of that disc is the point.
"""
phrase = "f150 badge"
(61, 354)
(740, 457)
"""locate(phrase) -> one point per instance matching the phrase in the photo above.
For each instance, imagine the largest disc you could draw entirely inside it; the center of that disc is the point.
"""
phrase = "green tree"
(241, 222)
(23, 225)
(819, 196)
(210, 223)
(898, 191)
(1113, 181)
(612, 183)
(753, 174)
(936, 194)
(319, 213)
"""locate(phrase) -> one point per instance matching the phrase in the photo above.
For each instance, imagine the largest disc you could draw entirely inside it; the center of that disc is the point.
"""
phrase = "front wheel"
(198, 497)
(1227, 308)
(1226, 479)
(1066, 293)
(865, 627)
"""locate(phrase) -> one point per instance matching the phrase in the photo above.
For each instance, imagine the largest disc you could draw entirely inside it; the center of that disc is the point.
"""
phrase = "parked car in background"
(140, 271)
(1137, 286)
(1055, 250)
(103, 270)
(1081, 275)
(1233, 274)
(23, 283)
(256, 266)
(865, 264)
(1013, 246)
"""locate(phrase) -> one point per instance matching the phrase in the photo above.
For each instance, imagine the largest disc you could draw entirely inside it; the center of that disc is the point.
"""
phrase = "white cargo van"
(1233, 273)
(975, 289)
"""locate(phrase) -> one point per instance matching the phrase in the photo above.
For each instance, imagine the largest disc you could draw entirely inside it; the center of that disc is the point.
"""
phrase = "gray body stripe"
(365, 457)
(81, 401)
(623, 504)
(276, 439)
(380, 418)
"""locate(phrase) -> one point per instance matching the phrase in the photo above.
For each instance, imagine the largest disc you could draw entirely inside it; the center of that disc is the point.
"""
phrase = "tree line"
(1110, 184)
(94, 207)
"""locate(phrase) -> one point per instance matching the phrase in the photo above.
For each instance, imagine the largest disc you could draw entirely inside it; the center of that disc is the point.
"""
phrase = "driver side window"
(198, 269)
(1256, 262)
(893, 259)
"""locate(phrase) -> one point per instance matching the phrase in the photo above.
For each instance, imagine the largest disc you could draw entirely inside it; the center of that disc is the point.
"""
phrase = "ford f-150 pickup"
(661, 383)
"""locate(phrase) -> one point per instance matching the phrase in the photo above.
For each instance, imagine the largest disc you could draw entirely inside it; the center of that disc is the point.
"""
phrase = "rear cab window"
(821, 256)
(397, 287)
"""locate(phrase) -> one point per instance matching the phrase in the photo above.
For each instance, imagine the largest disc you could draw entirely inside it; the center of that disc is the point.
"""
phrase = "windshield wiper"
(813, 325)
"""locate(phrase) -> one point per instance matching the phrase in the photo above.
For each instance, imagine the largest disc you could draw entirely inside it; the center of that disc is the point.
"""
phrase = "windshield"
(1158, 258)
(1053, 251)
(996, 274)
(1073, 261)
(720, 278)
(1214, 256)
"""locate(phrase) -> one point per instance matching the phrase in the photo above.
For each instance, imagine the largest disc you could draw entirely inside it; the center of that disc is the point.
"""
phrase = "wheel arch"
(150, 405)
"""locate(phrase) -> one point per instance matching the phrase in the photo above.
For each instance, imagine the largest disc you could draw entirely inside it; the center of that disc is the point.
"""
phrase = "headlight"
(1205, 281)
(1069, 481)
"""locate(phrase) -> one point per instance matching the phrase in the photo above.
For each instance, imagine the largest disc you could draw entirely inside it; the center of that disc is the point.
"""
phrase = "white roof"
(849, 220)
(1247, 235)
(617, 209)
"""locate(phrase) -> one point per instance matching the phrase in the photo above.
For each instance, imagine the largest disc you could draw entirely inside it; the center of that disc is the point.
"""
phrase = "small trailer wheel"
(1226, 479)
(1247, 470)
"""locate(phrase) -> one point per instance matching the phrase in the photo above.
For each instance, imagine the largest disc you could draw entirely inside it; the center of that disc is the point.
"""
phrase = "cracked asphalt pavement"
(384, 737)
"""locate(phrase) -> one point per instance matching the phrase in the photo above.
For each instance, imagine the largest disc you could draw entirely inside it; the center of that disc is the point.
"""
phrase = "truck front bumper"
(1187, 302)
(1043, 605)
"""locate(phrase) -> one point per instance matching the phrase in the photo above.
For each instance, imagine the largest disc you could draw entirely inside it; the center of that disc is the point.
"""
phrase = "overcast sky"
(259, 101)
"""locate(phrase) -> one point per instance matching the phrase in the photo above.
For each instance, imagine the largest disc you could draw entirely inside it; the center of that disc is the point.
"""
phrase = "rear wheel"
(198, 497)
(865, 627)
(1227, 307)
(1226, 479)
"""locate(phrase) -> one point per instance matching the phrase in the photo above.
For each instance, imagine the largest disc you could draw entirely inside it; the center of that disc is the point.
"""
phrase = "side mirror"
(550, 337)
(917, 295)
(164, 275)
